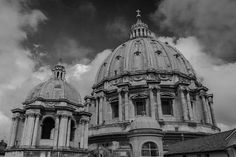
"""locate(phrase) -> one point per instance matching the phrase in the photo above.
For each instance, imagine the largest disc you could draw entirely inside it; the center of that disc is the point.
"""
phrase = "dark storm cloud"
(90, 24)
(118, 29)
(213, 22)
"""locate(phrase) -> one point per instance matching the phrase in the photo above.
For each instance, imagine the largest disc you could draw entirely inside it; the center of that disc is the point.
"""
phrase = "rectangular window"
(167, 108)
(198, 155)
(115, 109)
(140, 106)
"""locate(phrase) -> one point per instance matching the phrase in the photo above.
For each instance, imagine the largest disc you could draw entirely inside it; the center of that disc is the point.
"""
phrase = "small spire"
(60, 61)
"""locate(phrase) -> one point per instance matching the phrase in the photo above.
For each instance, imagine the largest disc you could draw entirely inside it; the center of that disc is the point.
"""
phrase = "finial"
(138, 13)
(59, 61)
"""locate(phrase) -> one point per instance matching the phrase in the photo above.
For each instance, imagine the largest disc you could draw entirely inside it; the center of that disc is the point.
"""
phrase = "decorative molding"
(139, 96)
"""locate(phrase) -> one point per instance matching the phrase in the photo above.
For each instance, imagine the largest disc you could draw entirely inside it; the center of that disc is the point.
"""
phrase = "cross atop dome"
(138, 13)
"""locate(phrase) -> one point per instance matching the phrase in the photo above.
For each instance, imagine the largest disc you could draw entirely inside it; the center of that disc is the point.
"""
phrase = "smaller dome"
(144, 123)
(55, 89)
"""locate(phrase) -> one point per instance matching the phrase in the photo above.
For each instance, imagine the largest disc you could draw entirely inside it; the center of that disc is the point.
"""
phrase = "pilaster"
(30, 129)
(204, 105)
(23, 139)
(96, 110)
(158, 103)
(56, 135)
(152, 103)
(120, 105)
(210, 100)
(68, 132)
(184, 105)
(15, 121)
(35, 133)
(62, 130)
(126, 103)
(190, 110)
(101, 109)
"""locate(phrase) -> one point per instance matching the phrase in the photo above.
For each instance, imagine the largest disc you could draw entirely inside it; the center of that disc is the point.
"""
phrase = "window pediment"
(168, 95)
(139, 96)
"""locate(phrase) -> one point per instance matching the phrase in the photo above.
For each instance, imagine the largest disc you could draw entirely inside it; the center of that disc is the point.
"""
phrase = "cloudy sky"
(35, 34)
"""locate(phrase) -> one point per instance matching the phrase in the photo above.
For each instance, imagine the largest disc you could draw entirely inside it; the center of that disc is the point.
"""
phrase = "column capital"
(30, 114)
(84, 120)
(119, 90)
(184, 88)
(64, 115)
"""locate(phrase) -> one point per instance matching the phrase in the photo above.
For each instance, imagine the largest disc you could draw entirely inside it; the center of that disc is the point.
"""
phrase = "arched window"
(150, 149)
(48, 128)
(72, 130)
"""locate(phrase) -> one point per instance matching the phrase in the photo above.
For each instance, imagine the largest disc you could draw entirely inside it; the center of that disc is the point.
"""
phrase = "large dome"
(141, 54)
(55, 89)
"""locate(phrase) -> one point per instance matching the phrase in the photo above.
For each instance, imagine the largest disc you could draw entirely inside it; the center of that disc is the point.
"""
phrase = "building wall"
(42, 154)
(212, 154)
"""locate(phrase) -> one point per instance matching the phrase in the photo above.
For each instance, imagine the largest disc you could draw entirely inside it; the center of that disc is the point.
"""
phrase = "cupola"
(139, 29)
(59, 72)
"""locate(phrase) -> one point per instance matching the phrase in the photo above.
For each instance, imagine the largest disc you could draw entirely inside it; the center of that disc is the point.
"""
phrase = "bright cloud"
(16, 65)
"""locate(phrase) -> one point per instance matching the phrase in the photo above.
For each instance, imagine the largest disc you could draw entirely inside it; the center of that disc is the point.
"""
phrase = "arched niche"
(48, 125)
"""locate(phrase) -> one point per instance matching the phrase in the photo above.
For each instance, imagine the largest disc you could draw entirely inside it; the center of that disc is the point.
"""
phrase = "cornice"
(52, 100)
(161, 72)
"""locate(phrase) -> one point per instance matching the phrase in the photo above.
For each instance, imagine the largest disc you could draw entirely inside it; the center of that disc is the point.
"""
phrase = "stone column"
(68, 132)
(204, 105)
(56, 134)
(127, 108)
(96, 110)
(132, 112)
(100, 109)
(36, 127)
(120, 105)
(86, 135)
(152, 103)
(24, 131)
(208, 110)
(190, 110)
(105, 111)
(158, 103)
(184, 105)
(30, 129)
(15, 121)
(62, 130)
(210, 99)
(11, 131)
(82, 134)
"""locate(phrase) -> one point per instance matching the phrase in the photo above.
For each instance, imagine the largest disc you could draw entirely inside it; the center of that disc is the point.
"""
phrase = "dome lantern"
(59, 72)
(139, 29)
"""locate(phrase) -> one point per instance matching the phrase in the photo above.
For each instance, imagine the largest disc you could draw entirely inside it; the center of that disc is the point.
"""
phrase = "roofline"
(233, 131)
(52, 100)
(218, 150)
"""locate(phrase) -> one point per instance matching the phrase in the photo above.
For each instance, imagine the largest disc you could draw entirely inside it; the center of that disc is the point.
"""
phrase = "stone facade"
(52, 122)
(142, 78)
